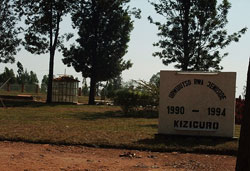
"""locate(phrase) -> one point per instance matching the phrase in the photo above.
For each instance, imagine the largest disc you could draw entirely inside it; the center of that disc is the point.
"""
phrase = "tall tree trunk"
(93, 79)
(51, 59)
(243, 158)
(52, 51)
(50, 79)
(92, 91)
(185, 32)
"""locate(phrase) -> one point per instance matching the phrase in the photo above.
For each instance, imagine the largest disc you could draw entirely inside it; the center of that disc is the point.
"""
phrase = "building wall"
(65, 92)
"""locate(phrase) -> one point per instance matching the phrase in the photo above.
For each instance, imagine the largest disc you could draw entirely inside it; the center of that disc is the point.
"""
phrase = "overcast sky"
(140, 48)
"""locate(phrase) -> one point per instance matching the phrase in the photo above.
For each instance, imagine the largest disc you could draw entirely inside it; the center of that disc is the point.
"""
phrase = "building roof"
(65, 78)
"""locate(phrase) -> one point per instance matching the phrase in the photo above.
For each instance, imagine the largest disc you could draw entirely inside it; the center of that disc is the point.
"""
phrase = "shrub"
(131, 99)
(126, 98)
(152, 92)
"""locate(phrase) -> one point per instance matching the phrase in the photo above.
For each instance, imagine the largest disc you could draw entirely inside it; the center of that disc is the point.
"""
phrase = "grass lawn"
(99, 126)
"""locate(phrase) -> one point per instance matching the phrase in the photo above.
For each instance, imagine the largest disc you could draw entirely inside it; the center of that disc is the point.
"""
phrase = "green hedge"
(131, 100)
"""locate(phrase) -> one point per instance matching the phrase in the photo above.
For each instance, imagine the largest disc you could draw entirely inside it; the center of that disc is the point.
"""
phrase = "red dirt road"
(29, 157)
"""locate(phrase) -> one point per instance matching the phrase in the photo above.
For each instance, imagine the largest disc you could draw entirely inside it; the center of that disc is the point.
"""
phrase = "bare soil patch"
(29, 157)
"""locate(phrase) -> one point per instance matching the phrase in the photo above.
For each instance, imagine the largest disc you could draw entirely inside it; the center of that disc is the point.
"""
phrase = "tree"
(104, 28)
(243, 158)
(8, 73)
(244, 91)
(45, 80)
(194, 33)
(20, 68)
(44, 83)
(43, 19)
(113, 85)
(155, 79)
(21, 76)
(25, 77)
(85, 88)
(33, 78)
(8, 33)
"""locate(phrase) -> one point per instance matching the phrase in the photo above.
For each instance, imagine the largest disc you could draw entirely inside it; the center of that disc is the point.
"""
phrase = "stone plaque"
(197, 103)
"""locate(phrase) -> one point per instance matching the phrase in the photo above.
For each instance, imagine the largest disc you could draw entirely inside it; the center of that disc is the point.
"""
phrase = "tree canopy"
(104, 28)
(25, 77)
(194, 33)
(155, 79)
(22, 77)
(7, 74)
(8, 32)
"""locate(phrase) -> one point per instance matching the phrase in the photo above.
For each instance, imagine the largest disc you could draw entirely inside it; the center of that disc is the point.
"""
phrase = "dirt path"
(27, 157)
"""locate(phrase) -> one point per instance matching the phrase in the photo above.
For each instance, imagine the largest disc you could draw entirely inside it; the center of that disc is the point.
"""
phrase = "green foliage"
(44, 83)
(85, 88)
(112, 86)
(32, 78)
(19, 68)
(104, 28)
(45, 79)
(155, 79)
(152, 89)
(8, 32)
(133, 99)
(42, 19)
(126, 99)
(25, 77)
(22, 77)
(8, 73)
(139, 94)
(193, 33)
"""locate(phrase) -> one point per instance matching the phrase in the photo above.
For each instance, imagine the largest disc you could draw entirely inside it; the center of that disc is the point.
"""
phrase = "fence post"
(80, 91)
(22, 88)
(37, 88)
(8, 87)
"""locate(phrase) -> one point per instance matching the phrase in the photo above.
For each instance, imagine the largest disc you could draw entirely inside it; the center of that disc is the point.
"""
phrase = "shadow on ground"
(115, 114)
(186, 144)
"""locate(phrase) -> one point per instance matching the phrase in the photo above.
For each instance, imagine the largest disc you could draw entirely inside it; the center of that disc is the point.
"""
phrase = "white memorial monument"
(197, 103)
